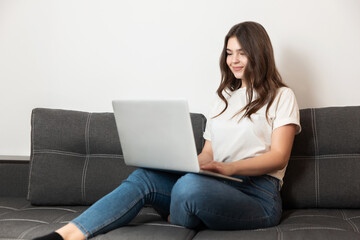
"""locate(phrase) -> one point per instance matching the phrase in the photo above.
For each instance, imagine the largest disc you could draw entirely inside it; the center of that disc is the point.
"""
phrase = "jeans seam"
(82, 228)
(261, 189)
(275, 181)
(274, 210)
(271, 179)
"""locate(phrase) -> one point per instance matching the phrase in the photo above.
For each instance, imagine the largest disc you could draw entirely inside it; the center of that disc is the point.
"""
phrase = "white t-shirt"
(233, 140)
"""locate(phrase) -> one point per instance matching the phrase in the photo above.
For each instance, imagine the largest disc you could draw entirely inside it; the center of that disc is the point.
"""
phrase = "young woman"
(249, 136)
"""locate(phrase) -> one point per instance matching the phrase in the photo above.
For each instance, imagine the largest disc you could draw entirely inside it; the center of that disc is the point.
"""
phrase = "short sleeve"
(213, 111)
(207, 133)
(287, 110)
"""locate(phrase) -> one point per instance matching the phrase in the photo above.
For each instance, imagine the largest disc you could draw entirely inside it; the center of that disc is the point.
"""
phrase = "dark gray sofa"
(76, 158)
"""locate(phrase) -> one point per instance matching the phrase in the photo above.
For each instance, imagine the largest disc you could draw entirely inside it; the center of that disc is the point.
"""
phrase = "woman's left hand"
(219, 167)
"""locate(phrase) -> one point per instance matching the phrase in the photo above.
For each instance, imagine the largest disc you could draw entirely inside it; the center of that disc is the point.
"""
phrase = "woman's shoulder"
(285, 90)
(285, 100)
(284, 93)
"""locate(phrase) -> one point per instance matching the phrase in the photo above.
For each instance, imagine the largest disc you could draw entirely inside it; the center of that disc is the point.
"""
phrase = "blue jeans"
(192, 200)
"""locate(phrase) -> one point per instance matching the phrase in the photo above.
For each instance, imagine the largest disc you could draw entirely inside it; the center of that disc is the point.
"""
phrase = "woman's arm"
(276, 159)
(206, 156)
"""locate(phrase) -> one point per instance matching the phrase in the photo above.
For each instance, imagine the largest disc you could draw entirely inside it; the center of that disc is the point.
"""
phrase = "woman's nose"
(235, 58)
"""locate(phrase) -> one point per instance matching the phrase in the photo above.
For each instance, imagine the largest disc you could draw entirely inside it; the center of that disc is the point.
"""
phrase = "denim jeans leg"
(120, 206)
(223, 204)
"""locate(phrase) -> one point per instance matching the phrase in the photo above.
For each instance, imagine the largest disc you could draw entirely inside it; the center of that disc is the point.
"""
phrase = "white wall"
(80, 55)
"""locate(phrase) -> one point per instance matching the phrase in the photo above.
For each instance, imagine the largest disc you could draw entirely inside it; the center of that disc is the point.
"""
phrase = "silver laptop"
(158, 134)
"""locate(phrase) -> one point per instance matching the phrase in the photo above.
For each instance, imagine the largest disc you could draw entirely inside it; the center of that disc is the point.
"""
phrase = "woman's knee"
(140, 172)
(138, 179)
(188, 190)
(184, 185)
(151, 181)
(186, 198)
(140, 175)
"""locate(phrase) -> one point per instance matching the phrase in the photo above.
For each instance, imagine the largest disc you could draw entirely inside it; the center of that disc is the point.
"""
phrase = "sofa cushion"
(20, 220)
(331, 224)
(325, 159)
(76, 157)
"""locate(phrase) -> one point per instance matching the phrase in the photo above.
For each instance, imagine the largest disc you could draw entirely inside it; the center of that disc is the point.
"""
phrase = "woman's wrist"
(204, 158)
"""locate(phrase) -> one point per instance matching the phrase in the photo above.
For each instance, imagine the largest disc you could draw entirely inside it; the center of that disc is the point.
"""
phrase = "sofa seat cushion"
(336, 224)
(21, 220)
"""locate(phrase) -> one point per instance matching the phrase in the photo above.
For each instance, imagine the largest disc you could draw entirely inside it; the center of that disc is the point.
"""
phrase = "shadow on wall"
(297, 74)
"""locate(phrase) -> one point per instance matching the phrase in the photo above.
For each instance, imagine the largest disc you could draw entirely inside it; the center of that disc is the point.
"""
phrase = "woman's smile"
(238, 68)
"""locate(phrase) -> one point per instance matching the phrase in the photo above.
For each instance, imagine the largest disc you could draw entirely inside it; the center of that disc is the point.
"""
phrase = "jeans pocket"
(274, 181)
(265, 184)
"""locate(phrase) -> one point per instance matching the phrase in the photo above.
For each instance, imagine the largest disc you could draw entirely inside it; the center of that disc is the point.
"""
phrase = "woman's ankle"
(71, 232)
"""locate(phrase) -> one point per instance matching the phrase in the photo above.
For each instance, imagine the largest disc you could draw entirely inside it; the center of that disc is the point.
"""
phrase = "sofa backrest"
(76, 157)
(323, 171)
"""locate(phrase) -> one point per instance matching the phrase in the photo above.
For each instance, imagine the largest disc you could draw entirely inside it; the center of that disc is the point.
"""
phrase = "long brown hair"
(260, 74)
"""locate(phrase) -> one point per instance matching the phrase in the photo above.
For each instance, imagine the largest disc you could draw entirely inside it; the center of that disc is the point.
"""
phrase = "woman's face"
(236, 58)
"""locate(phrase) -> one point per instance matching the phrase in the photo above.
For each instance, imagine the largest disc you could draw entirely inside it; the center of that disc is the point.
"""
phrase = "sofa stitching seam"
(23, 234)
(51, 151)
(312, 215)
(9, 208)
(349, 221)
(22, 219)
(279, 233)
(32, 159)
(327, 156)
(317, 162)
(50, 208)
(316, 146)
(317, 228)
(86, 163)
(61, 218)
